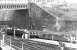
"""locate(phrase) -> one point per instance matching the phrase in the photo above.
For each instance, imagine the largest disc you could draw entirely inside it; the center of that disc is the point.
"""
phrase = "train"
(16, 32)
(29, 34)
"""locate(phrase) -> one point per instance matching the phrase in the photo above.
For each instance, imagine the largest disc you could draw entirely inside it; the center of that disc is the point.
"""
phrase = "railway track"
(27, 44)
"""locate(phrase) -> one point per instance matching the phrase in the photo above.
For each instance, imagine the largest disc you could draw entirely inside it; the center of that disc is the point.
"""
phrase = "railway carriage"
(34, 33)
(17, 33)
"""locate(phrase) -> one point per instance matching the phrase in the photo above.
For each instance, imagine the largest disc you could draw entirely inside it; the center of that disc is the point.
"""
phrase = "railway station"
(38, 25)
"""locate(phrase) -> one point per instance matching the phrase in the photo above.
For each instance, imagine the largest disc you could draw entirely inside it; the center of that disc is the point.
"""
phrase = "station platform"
(69, 45)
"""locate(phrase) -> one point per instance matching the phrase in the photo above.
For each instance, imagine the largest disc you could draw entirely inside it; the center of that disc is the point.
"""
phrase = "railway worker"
(26, 34)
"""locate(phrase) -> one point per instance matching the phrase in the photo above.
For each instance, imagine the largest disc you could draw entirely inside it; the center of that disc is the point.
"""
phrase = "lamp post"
(14, 33)
(22, 46)
(3, 30)
(3, 38)
(10, 44)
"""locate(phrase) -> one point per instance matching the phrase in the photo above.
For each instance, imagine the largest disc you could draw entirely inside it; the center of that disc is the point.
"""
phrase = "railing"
(13, 6)
(28, 44)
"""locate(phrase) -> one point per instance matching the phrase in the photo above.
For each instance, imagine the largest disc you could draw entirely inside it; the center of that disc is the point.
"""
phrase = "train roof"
(53, 33)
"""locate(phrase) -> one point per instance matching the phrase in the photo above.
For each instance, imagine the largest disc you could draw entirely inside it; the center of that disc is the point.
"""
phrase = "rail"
(31, 45)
